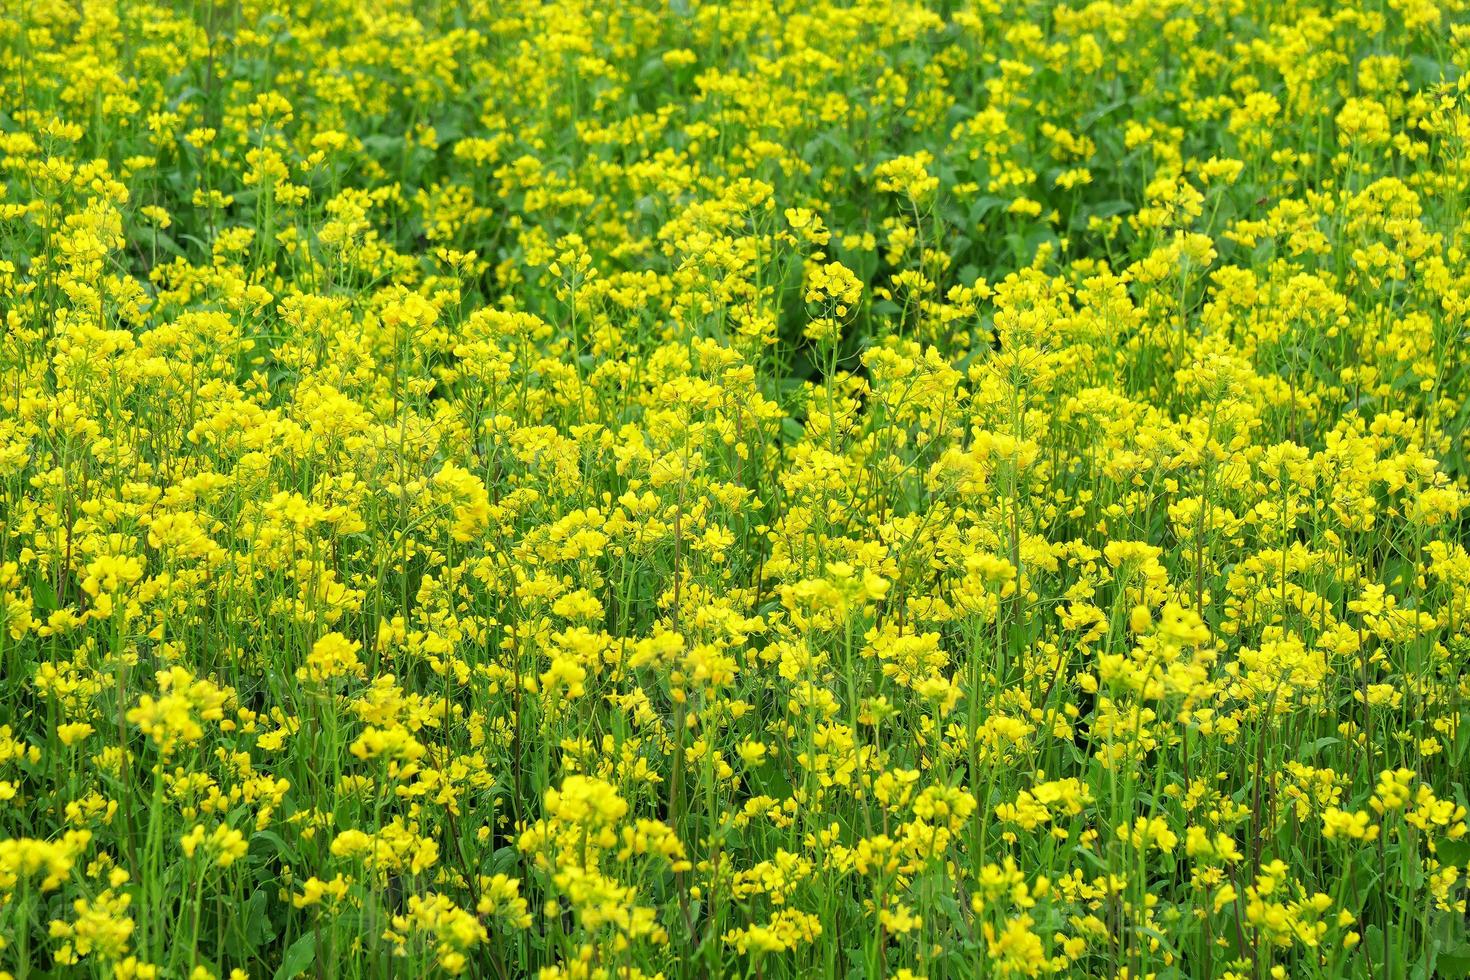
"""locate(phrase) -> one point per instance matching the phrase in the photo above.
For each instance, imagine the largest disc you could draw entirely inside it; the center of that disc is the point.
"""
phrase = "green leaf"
(1456, 852)
(165, 242)
(1320, 744)
(1454, 965)
(300, 955)
(284, 850)
(44, 595)
(256, 929)
(1373, 943)
(1107, 209)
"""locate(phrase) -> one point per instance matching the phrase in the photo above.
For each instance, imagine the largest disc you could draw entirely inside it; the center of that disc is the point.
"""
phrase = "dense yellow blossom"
(734, 488)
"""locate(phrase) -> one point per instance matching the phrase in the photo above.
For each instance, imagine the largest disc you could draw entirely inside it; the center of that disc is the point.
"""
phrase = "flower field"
(758, 489)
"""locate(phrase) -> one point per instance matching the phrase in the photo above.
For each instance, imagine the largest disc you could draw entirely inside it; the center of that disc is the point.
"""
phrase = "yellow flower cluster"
(734, 488)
